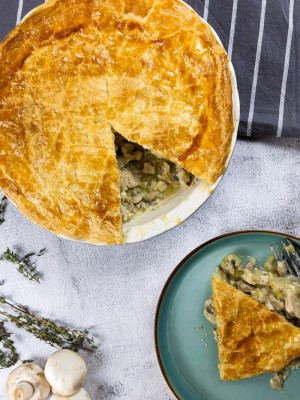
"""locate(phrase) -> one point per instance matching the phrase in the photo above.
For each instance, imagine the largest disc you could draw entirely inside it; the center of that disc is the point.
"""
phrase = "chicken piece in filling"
(270, 285)
(146, 180)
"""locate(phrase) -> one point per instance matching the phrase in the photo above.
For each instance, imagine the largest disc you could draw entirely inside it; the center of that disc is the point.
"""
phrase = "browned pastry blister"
(252, 340)
(74, 72)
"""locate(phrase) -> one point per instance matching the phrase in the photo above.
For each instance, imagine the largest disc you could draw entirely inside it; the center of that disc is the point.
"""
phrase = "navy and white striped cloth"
(263, 39)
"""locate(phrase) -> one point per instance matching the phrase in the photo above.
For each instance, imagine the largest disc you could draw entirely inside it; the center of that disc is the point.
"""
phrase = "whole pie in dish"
(74, 73)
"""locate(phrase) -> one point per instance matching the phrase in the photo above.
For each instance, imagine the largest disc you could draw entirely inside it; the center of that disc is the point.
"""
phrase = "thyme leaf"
(2, 209)
(8, 352)
(25, 266)
(47, 330)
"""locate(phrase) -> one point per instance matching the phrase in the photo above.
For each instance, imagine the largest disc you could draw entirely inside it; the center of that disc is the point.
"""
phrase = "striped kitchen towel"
(263, 39)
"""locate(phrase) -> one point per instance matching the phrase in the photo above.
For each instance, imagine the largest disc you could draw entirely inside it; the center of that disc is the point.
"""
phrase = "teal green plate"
(186, 349)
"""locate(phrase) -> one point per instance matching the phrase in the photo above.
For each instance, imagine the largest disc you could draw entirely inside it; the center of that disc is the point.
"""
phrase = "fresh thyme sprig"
(8, 353)
(47, 330)
(25, 266)
(2, 209)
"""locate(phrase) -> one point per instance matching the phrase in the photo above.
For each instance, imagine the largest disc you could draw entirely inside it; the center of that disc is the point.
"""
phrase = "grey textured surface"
(113, 291)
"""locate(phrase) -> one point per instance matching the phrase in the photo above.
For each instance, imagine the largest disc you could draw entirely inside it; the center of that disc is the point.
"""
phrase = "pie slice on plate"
(252, 340)
(76, 71)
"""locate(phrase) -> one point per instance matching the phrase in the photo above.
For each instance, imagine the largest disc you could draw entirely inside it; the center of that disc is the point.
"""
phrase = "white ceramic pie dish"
(184, 203)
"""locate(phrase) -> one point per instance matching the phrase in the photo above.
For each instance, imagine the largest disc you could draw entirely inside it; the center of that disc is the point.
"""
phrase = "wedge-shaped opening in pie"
(146, 181)
(75, 71)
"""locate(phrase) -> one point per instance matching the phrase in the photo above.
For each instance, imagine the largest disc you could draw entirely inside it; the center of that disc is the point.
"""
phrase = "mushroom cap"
(31, 374)
(65, 371)
(81, 395)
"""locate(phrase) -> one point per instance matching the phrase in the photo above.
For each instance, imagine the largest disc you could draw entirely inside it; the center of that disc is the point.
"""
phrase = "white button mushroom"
(27, 382)
(81, 395)
(65, 370)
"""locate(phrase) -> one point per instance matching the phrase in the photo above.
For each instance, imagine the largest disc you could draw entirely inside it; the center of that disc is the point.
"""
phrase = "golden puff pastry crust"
(74, 72)
(252, 340)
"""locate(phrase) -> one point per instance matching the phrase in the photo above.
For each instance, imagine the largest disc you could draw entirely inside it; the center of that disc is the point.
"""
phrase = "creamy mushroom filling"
(146, 180)
(270, 285)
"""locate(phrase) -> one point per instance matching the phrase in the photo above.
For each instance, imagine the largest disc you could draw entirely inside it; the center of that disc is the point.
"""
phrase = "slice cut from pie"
(74, 72)
(252, 340)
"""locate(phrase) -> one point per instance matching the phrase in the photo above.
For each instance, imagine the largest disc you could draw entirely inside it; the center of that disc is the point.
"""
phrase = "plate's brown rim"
(176, 270)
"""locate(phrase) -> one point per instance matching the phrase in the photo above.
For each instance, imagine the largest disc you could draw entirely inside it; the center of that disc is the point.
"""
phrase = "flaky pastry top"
(252, 340)
(74, 72)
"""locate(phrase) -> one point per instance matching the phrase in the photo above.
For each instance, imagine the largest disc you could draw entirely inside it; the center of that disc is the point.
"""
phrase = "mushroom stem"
(23, 391)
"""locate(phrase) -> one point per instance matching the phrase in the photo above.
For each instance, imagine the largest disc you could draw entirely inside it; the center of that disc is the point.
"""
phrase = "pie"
(77, 71)
(252, 340)
(256, 310)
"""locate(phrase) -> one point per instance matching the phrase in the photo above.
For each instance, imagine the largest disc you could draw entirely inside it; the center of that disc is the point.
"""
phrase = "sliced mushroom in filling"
(146, 180)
